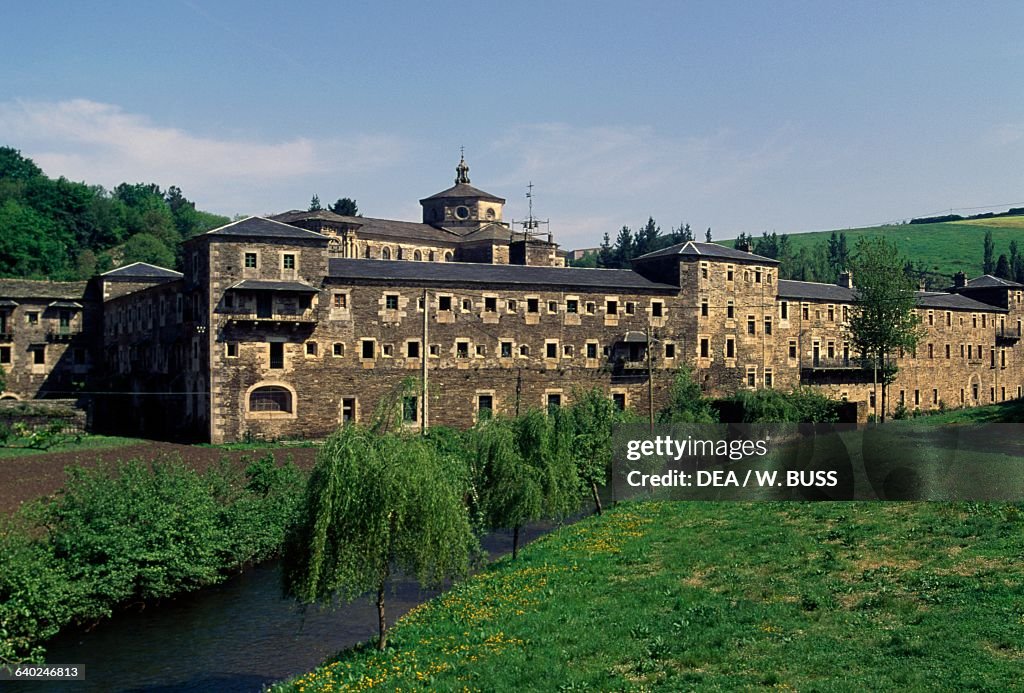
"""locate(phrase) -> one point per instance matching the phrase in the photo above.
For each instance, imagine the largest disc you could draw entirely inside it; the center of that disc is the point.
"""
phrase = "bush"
(799, 406)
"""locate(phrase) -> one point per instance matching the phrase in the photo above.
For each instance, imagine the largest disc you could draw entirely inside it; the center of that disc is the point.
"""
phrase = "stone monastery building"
(289, 325)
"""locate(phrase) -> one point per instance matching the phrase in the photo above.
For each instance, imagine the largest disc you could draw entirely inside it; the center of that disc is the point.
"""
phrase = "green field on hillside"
(725, 596)
(944, 248)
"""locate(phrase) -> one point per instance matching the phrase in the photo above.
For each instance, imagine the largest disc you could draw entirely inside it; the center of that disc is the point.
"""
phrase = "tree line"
(1009, 267)
(64, 230)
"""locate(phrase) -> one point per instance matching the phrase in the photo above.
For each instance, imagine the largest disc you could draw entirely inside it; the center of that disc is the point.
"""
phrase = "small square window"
(554, 402)
(490, 304)
(462, 350)
(341, 300)
(231, 350)
(391, 301)
(388, 350)
(444, 303)
(288, 261)
(369, 349)
(591, 350)
(467, 305)
(657, 309)
(435, 349)
(250, 260)
(524, 350)
(567, 350)
(32, 318)
(552, 306)
(5, 354)
(670, 351)
(591, 307)
(572, 306)
(484, 406)
(532, 305)
(506, 350)
(630, 307)
(612, 307)
(311, 348)
(481, 350)
(511, 306)
(339, 349)
(412, 350)
(619, 400)
(551, 349)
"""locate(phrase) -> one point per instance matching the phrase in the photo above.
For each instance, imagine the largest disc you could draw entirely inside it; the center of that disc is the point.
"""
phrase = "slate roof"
(271, 285)
(815, 291)
(28, 288)
(987, 281)
(706, 250)
(464, 190)
(940, 299)
(321, 214)
(481, 273)
(141, 270)
(387, 229)
(260, 227)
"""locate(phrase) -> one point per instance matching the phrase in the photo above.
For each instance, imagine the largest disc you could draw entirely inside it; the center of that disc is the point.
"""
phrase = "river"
(236, 636)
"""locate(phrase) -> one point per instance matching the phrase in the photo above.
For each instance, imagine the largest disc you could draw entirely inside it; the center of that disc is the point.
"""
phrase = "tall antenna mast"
(532, 224)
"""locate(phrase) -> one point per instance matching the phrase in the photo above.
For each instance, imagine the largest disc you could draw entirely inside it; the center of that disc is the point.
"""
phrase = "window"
(444, 303)
(619, 400)
(730, 348)
(270, 399)
(612, 307)
(591, 350)
(572, 306)
(931, 318)
(32, 318)
(341, 300)
(288, 261)
(368, 349)
(935, 396)
(949, 319)
(412, 350)
(484, 406)
(831, 350)
(805, 312)
(974, 391)
(670, 351)
(385, 254)
(931, 351)
(311, 349)
(757, 276)
(630, 307)
(552, 306)
(391, 301)
(5, 354)
(388, 350)
(532, 305)
(348, 409)
(792, 348)
(567, 351)
(705, 347)
(490, 304)
(729, 273)
(751, 376)
(947, 351)
(435, 349)
(551, 350)
(591, 307)
(417, 256)
(524, 350)
(511, 306)
(846, 313)
(250, 260)
(277, 354)
(554, 401)
(462, 350)
(231, 350)
(917, 398)
(730, 310)
(768, 379)
(481, 350)
(751, 325)
(784, 310)
(338, 349)
(506, 350)
(767, 324)
(831, 313)
(410, 409)
(703, 307)
(467, 305)
(703, 270)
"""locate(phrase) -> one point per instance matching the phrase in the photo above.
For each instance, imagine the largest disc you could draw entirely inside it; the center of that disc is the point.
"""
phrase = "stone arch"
(385, 253)
(271, 399)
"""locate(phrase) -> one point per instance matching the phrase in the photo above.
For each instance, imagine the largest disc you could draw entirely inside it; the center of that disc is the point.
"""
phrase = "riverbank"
(727, 595)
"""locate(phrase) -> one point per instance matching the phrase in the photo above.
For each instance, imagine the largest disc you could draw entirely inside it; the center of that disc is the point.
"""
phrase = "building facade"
(289, 326)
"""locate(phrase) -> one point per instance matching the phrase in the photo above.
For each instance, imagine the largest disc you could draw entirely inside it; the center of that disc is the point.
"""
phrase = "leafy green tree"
(144, 247)
(29, 244)
(375, 505)
(593, 414)
(883, 318)
(526, 471)
(687, 403)
(707, 235)
(314, 204)
(1003, 270)
(346, 207)
(988, 264)
(14, 166)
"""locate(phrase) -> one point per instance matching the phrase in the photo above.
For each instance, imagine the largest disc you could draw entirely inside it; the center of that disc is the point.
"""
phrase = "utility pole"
(423, 366)
(650, 380)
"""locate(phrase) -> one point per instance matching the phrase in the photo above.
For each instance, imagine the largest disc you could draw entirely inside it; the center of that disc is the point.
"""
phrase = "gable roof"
(138, 270)
(464, 190)
(987, 281)
(694, 249)
(493, 275)
(815, 291)
(941, 299)
(31, 288)
(261, 227)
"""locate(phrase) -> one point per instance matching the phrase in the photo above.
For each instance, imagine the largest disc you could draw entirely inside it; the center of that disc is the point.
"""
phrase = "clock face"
(462, 212)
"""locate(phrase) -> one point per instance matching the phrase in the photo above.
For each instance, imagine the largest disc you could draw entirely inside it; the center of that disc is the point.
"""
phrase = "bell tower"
(462, 208)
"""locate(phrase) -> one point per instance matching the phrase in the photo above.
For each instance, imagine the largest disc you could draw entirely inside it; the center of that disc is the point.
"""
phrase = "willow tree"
(592, 416)
(376, 505)
(525, 472)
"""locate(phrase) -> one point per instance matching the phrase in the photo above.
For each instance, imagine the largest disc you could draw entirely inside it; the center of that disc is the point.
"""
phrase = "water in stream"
(237, 636)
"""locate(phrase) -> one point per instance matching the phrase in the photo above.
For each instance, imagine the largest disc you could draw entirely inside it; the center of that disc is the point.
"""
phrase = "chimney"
(846, 279)
(921, 286)
(959, 280)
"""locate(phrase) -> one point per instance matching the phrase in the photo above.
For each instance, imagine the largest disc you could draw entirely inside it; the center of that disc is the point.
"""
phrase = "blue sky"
(742, 116)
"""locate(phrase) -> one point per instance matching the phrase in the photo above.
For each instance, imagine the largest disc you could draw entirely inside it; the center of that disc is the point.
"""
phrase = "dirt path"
(34, 476)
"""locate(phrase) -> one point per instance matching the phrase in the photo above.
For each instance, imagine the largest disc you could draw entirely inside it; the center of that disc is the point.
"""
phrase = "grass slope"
(945, 248)
(679, 596)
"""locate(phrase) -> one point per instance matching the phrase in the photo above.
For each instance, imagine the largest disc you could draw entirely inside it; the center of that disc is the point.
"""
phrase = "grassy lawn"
(720, 596)
(86, 443)
(1005, 412)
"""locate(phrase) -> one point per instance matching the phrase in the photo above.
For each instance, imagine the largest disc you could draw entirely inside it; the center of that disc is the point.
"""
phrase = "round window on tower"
(462, 212)
(490, 212)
